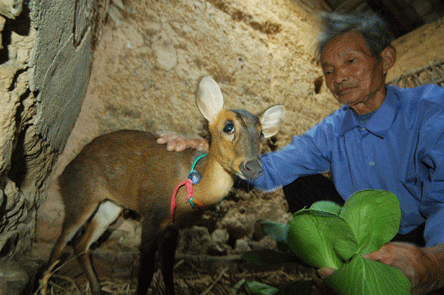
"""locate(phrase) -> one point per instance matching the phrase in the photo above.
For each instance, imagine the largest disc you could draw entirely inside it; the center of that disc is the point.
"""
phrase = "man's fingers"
(386, 253)
(180, 146)
(171, 146)
(201, 147)
(325, 272)
(161, 140)
(180, 143)
(371, 256)
(172, 141)
(375, 256)
(165, 138)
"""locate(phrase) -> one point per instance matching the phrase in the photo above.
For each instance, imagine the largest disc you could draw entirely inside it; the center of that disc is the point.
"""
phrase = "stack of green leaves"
(328, 235)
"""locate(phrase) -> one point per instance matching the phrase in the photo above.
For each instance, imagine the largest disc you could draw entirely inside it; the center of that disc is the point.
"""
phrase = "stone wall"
(45, 57)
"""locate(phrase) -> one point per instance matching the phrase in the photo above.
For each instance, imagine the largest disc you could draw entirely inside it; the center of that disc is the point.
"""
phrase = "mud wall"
(45, 57)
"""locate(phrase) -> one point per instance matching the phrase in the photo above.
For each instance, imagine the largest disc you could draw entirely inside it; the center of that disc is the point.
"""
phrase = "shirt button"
(372, 163)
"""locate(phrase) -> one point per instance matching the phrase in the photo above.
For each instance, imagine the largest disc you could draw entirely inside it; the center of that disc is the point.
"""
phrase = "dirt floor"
(199, 281)
(223, 275)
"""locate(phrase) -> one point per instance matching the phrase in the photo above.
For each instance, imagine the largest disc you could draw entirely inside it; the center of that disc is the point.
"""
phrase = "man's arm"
(286, 157)
(305, 155)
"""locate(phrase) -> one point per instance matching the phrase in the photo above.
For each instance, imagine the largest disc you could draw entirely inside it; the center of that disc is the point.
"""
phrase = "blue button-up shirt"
(400, 149)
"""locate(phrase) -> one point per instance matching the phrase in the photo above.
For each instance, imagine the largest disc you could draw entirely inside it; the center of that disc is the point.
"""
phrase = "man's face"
(354, 76)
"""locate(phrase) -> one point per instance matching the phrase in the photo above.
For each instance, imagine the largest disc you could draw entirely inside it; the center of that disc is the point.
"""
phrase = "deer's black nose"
(251, 169)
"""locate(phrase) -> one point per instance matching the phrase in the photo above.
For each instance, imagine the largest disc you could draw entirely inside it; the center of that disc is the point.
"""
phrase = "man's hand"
(179, 143)
(322, 288)
(424, 267)
(325, 272)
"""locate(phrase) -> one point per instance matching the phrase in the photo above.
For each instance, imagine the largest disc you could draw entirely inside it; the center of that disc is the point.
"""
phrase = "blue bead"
(195, 177)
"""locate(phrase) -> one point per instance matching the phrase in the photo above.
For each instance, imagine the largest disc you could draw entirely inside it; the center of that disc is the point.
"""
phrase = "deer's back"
(126, 166)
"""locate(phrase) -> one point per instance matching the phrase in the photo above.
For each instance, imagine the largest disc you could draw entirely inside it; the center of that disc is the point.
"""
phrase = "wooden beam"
(348, 5)
(400, 15)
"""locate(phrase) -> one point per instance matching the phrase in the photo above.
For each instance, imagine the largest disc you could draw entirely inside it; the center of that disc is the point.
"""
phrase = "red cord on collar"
(190, 192)
(190, 196)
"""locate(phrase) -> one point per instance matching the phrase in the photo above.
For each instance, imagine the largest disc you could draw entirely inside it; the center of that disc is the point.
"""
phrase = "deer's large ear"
(271, 120)
(209, 99)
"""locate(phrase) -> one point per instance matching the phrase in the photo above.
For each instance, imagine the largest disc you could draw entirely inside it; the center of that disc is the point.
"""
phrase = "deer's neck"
(216, 181)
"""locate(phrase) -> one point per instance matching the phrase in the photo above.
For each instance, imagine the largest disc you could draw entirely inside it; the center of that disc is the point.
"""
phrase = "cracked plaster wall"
(45, 58)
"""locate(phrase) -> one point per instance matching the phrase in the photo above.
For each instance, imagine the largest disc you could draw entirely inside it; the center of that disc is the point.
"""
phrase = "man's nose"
(341, 75)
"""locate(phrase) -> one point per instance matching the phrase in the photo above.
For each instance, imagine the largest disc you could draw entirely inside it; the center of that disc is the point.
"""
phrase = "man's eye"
(229, 127)
(351, 60)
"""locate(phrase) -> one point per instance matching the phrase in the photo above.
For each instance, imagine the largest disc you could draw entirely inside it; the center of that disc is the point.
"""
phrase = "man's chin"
(347, 101)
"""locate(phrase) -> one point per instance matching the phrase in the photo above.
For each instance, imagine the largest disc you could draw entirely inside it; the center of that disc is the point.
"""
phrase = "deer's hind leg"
(106, 214)
(71, 225)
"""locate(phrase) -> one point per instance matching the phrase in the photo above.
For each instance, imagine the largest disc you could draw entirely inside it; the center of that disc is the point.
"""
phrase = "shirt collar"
(381, 120)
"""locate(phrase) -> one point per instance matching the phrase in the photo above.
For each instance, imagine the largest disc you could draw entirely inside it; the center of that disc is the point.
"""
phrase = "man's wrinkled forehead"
(342, 45)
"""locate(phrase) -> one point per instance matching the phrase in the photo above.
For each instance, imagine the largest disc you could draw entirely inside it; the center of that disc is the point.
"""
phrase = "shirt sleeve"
(432, 203)
(305, 155)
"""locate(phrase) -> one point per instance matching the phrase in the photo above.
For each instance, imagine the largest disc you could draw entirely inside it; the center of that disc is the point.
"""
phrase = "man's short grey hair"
(372, 27)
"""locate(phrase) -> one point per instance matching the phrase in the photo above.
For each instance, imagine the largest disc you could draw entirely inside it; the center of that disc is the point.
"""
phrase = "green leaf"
(321, 239)
(277, 231)
(327, 206)
(297, 288)
(282, 246)
(363, 276)
(268, 257)
(260, 288)
(374, 217)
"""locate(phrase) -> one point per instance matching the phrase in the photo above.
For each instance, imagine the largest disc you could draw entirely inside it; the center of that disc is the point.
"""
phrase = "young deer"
(128, 170)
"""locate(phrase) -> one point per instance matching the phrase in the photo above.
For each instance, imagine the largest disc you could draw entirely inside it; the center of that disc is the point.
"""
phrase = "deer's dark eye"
(229, 127)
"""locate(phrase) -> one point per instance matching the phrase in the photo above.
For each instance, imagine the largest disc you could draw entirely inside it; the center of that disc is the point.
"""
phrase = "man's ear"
(388, 57)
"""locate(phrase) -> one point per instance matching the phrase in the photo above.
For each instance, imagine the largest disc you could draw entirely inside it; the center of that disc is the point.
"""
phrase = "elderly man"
(383, 137)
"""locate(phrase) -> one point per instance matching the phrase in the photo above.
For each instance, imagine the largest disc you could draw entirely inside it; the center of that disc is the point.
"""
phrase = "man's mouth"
(344, 91)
